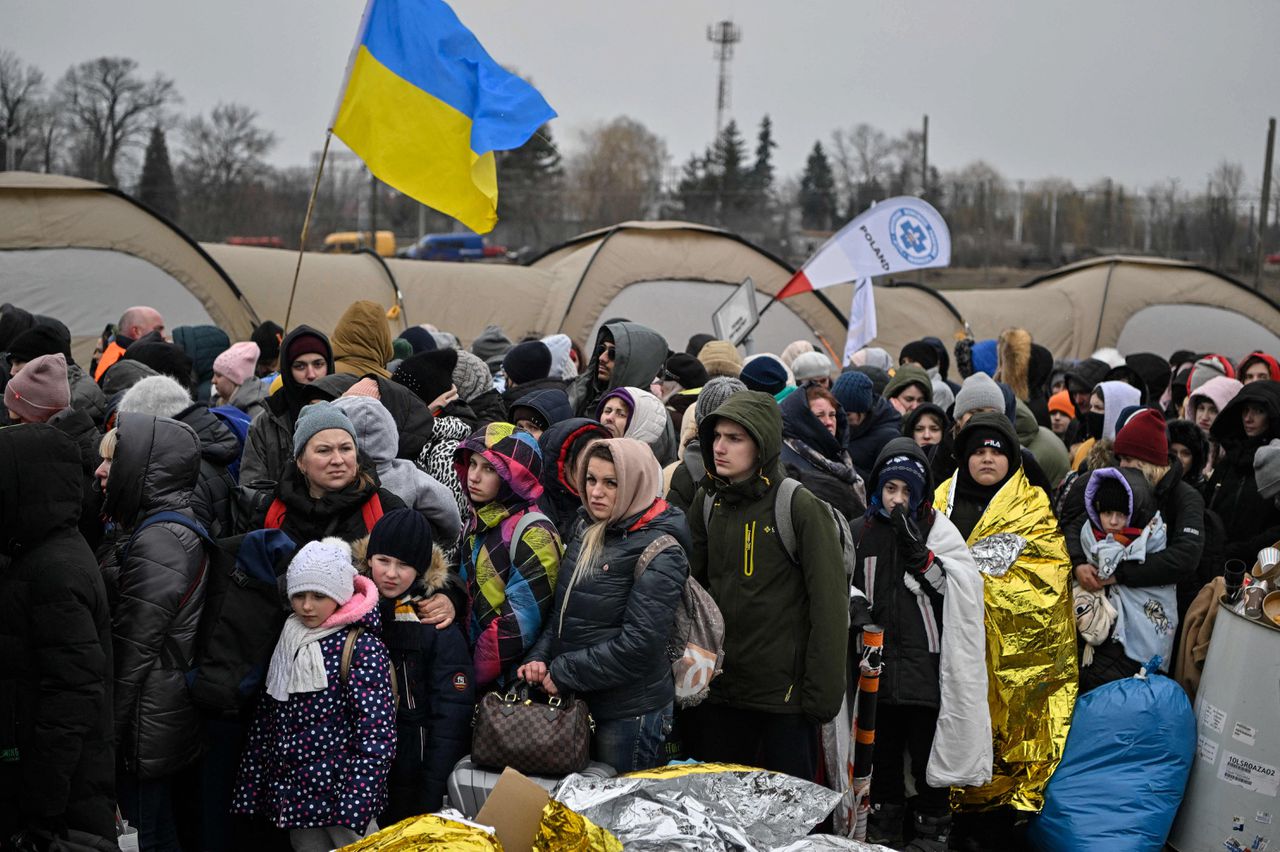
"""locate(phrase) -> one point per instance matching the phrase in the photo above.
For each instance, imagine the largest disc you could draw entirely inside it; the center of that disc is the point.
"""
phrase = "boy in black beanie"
(431, 667)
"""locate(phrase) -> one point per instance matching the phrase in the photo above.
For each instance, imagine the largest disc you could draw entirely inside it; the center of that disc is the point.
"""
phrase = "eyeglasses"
(608, 350)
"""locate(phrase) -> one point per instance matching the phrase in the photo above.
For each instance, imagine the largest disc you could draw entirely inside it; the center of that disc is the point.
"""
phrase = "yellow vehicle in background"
(349, 242)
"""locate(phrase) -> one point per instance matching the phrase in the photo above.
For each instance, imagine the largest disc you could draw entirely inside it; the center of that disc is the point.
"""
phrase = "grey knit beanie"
(978, 391)
(714, 393)
(471, 376)
(811, 365)
(1266, 469)
(317, 417)
(325, 567)
(159, 396)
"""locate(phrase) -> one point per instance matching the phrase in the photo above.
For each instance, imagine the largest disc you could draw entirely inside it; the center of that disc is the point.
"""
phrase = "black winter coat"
(414, 422)
(433, 671)
(911, 671)
(882, 424)
(55, 645)
(1233, 490)
(214, 495)
(607, 635)
(77, 426)
(159, 582)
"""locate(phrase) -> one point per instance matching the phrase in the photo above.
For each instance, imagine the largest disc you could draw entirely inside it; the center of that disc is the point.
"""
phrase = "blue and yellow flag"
(425, 107)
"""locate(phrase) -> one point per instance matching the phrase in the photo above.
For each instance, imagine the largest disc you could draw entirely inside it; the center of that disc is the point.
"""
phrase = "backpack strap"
(371, 511)
(782, 516)
(659, 544)
(527, 520)
(275, 515)
(344, 667)
(167, 517)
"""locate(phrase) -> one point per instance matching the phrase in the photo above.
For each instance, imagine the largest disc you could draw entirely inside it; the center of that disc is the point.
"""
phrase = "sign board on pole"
(735, 319)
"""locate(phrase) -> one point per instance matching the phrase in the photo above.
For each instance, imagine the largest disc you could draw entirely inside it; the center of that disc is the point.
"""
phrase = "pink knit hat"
(238, 362)
(364, 387)
(40, 390)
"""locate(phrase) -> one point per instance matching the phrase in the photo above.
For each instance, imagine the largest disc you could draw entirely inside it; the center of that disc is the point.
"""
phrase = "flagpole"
(306, 226)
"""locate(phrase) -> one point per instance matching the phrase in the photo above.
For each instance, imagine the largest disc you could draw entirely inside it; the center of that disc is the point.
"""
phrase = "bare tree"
(1221, 214)
(110, 107)
(223, 159)
(861, 156)
(21, 99)
(618, 173)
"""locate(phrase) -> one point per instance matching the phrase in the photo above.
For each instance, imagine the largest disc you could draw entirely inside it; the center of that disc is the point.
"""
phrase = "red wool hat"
(1144, 437)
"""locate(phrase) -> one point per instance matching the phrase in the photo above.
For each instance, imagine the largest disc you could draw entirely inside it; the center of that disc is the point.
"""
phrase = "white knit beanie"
(811, 365)
(159, 396)
(323, 566)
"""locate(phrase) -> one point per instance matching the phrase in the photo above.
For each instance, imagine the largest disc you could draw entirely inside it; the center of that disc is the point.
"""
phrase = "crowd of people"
(436, 522)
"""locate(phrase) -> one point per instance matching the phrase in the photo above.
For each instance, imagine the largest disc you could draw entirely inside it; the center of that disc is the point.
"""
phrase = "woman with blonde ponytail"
(607, 635)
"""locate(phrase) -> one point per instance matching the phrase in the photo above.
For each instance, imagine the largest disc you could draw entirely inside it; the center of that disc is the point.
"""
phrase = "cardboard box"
(514, 809)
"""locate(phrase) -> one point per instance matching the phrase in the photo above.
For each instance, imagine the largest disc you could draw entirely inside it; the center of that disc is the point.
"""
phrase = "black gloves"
(915, 553)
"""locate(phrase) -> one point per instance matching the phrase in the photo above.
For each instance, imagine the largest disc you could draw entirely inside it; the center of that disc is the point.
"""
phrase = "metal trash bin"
(1232, 800)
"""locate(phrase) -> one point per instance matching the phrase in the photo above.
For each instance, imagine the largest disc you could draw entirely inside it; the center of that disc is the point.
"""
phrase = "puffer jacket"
(511, 584)
(362, 340)
(882, 424)
(55, 645)
(268, 449)
(214, 493)
(607, 636)
(560, 445)
(159, 580)
(786, 625)
(1031, 637)
(377, 438)
(77, 426)
(86, 396)
(322, 758)
(649, 422)
(640, 354)
(1233, 488)
(437, 698)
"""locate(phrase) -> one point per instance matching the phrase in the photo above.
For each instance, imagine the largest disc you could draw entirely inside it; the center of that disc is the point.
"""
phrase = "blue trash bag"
(1124, 770)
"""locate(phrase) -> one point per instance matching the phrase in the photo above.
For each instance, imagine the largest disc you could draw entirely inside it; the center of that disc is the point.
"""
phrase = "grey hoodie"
(377, 438)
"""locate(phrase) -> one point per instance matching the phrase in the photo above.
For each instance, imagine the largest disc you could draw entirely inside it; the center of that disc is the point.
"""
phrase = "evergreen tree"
(697, 189)
(817, 192)
(530, 187)
(762, 169)
(735, 189)
(156, 187)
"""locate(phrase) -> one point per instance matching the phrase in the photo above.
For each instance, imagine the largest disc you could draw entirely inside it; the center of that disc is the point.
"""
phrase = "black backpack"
(245, 608)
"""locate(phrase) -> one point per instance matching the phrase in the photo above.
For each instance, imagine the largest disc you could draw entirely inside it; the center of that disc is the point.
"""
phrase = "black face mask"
(1093, 423)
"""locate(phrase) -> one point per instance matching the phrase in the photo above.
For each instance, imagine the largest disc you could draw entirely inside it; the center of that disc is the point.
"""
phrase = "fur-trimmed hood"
(1013, 354)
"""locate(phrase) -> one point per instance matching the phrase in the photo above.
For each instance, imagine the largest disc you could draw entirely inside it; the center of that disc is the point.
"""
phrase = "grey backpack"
(696, 644)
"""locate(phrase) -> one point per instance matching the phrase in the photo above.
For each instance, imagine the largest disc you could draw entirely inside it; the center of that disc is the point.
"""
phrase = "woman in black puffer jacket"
(1248, 422)
(607, 636)
(155, 575)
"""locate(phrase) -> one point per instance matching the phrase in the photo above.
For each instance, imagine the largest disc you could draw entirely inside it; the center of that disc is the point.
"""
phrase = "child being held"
(323, 737)
(1124, 526)
(432, 667)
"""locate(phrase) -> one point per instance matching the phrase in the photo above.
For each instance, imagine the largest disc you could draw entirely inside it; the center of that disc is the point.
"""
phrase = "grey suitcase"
(469, 785)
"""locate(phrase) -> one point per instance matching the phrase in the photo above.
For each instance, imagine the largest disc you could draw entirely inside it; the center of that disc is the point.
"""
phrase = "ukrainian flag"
(425, 107)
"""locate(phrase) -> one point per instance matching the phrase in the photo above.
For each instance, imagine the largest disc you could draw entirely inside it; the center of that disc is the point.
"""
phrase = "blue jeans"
(633, 742)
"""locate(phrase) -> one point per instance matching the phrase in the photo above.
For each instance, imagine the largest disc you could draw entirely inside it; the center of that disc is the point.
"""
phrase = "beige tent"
(1132, 303)
(83, 252)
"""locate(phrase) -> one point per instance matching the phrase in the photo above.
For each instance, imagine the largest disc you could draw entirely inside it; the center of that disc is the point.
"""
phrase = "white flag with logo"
(896, 235)
(862, 318)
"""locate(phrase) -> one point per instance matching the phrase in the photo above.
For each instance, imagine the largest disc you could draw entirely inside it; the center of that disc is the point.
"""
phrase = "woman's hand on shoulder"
(436, 610)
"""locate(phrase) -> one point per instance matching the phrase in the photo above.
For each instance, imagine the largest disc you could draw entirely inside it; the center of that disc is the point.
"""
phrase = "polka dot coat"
(322, 758)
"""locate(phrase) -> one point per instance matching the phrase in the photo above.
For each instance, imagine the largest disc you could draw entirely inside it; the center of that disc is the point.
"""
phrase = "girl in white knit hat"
(324, 734)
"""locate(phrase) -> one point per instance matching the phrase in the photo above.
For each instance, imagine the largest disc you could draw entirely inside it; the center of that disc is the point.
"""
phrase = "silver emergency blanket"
(700, 807)
(830, 843)
(995, 554)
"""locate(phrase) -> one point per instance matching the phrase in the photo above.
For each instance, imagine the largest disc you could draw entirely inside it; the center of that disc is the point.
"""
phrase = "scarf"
(841, 469)
(297, 664)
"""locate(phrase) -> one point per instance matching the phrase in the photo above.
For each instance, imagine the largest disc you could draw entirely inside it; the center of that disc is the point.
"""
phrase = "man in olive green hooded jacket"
(786, 623)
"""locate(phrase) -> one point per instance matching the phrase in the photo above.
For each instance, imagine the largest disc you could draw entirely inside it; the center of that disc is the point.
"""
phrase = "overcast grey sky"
(1138, 90)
